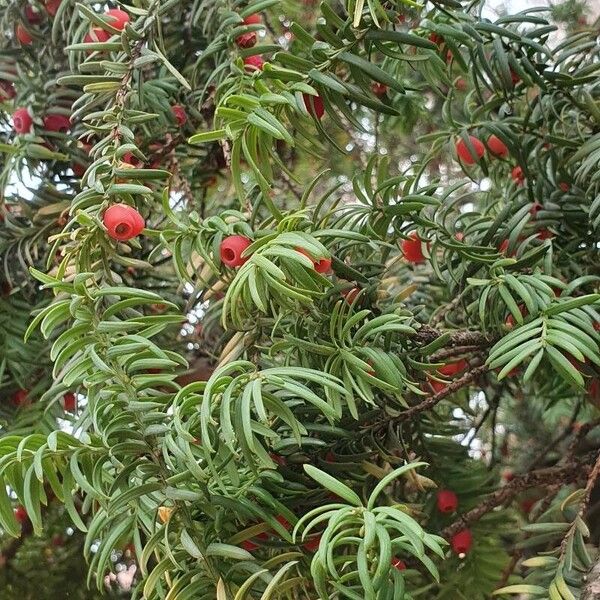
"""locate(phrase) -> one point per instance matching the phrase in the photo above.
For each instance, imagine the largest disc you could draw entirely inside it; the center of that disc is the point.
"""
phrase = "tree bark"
(591, 590)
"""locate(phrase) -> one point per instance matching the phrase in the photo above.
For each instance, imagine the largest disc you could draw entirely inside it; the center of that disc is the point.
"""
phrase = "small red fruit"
(465, 153)
(321, 265)
(22, 121)
(254, 19)
(123, 222)
(254, 63)
(312, 545)
(379, 89)
(564, 186)
(398, 563)
(232, 248)
(508, 476)
(179, 114)
(20, 514)
(118, 18)
(69, 402)
(514, 77)
(497, 147)
(52, 6)
(447, 501)
(437, 386)
(314, 105)
(57, 123)
(277, 458)
(23, 35)
(517, 175)
(453, 368)
(7, 90)
(545, 234)
(593, 389)
(283, 521)
(19, 397)
(249, 545)
(412, 249)
(436, 38)
(350, 295)
(96, 35)
(246, 40)
(461, 542)
(33, 16)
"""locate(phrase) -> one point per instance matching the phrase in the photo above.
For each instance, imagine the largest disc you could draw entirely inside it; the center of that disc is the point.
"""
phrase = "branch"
(567, 473)
(427, 334)
(591, 591)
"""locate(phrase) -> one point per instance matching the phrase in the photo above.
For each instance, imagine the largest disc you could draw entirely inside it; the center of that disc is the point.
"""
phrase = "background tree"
(299, 300)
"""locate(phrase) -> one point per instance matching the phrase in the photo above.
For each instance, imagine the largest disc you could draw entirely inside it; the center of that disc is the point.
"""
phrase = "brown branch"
(589, 488)
(427, 334)
(567, 473)
(433, 400)
(591, 590)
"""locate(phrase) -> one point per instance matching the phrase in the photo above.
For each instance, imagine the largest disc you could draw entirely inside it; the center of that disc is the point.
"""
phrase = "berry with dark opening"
(23, 35)
(117, 18)
(379, 89)
(179, 114)
(467, 155)
(57, 123)
(314, 105)
(447, 501)
(461, 542)
(22, 121)
(517, 175)
(232, 248)
(123, 222)
(246, 40)
(412, 249)
(398, 563)
(254, 63)
(497, 147)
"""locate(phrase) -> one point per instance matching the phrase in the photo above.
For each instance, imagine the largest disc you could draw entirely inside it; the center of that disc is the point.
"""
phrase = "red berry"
(564, 186)
(545, 234)
(436, 39)
(7, 90)
(118, 18)
(283, 521)
(249, 545)
(179, 114)
(497, 147)
(330, 457)
(461, 542)
(20, 514)
(453, 368)
(69, 402)
(123, 222)
(277, 458)
(447, 501)
(508, 476)
(593, 389)
(517, 175)
(527, 505)
(535, 209)
(312, 545)
(398, 563)
(33, 16)
(314, 105)
(379, 89)
(22, 121)
(57, 123)
(96, 35)
(461, 85)
(19, 397)
(254, 63)
(52, 6)
(412, 249)
(321, 265)
(58, 540)
(510, 320)
(514, 77)
(465, 153)
(23, 35)
(232, 248)
(437, 386)
(246, 40)
(254, 19)
(350, 295)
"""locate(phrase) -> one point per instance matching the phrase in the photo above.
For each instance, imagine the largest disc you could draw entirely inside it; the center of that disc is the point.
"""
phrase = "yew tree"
(299, 300)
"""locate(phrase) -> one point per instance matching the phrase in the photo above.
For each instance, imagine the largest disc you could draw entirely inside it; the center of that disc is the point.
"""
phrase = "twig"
(567, 473)
(427, 334)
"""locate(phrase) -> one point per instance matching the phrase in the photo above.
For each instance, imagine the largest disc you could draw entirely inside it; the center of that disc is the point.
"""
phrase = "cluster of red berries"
(473, 151)
(247, 40)
(460, 542)
(33, 18)
(23, 122)
(116, 18)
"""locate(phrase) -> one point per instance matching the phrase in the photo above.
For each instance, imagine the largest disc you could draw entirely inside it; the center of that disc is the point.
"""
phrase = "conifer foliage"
(299, 300)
